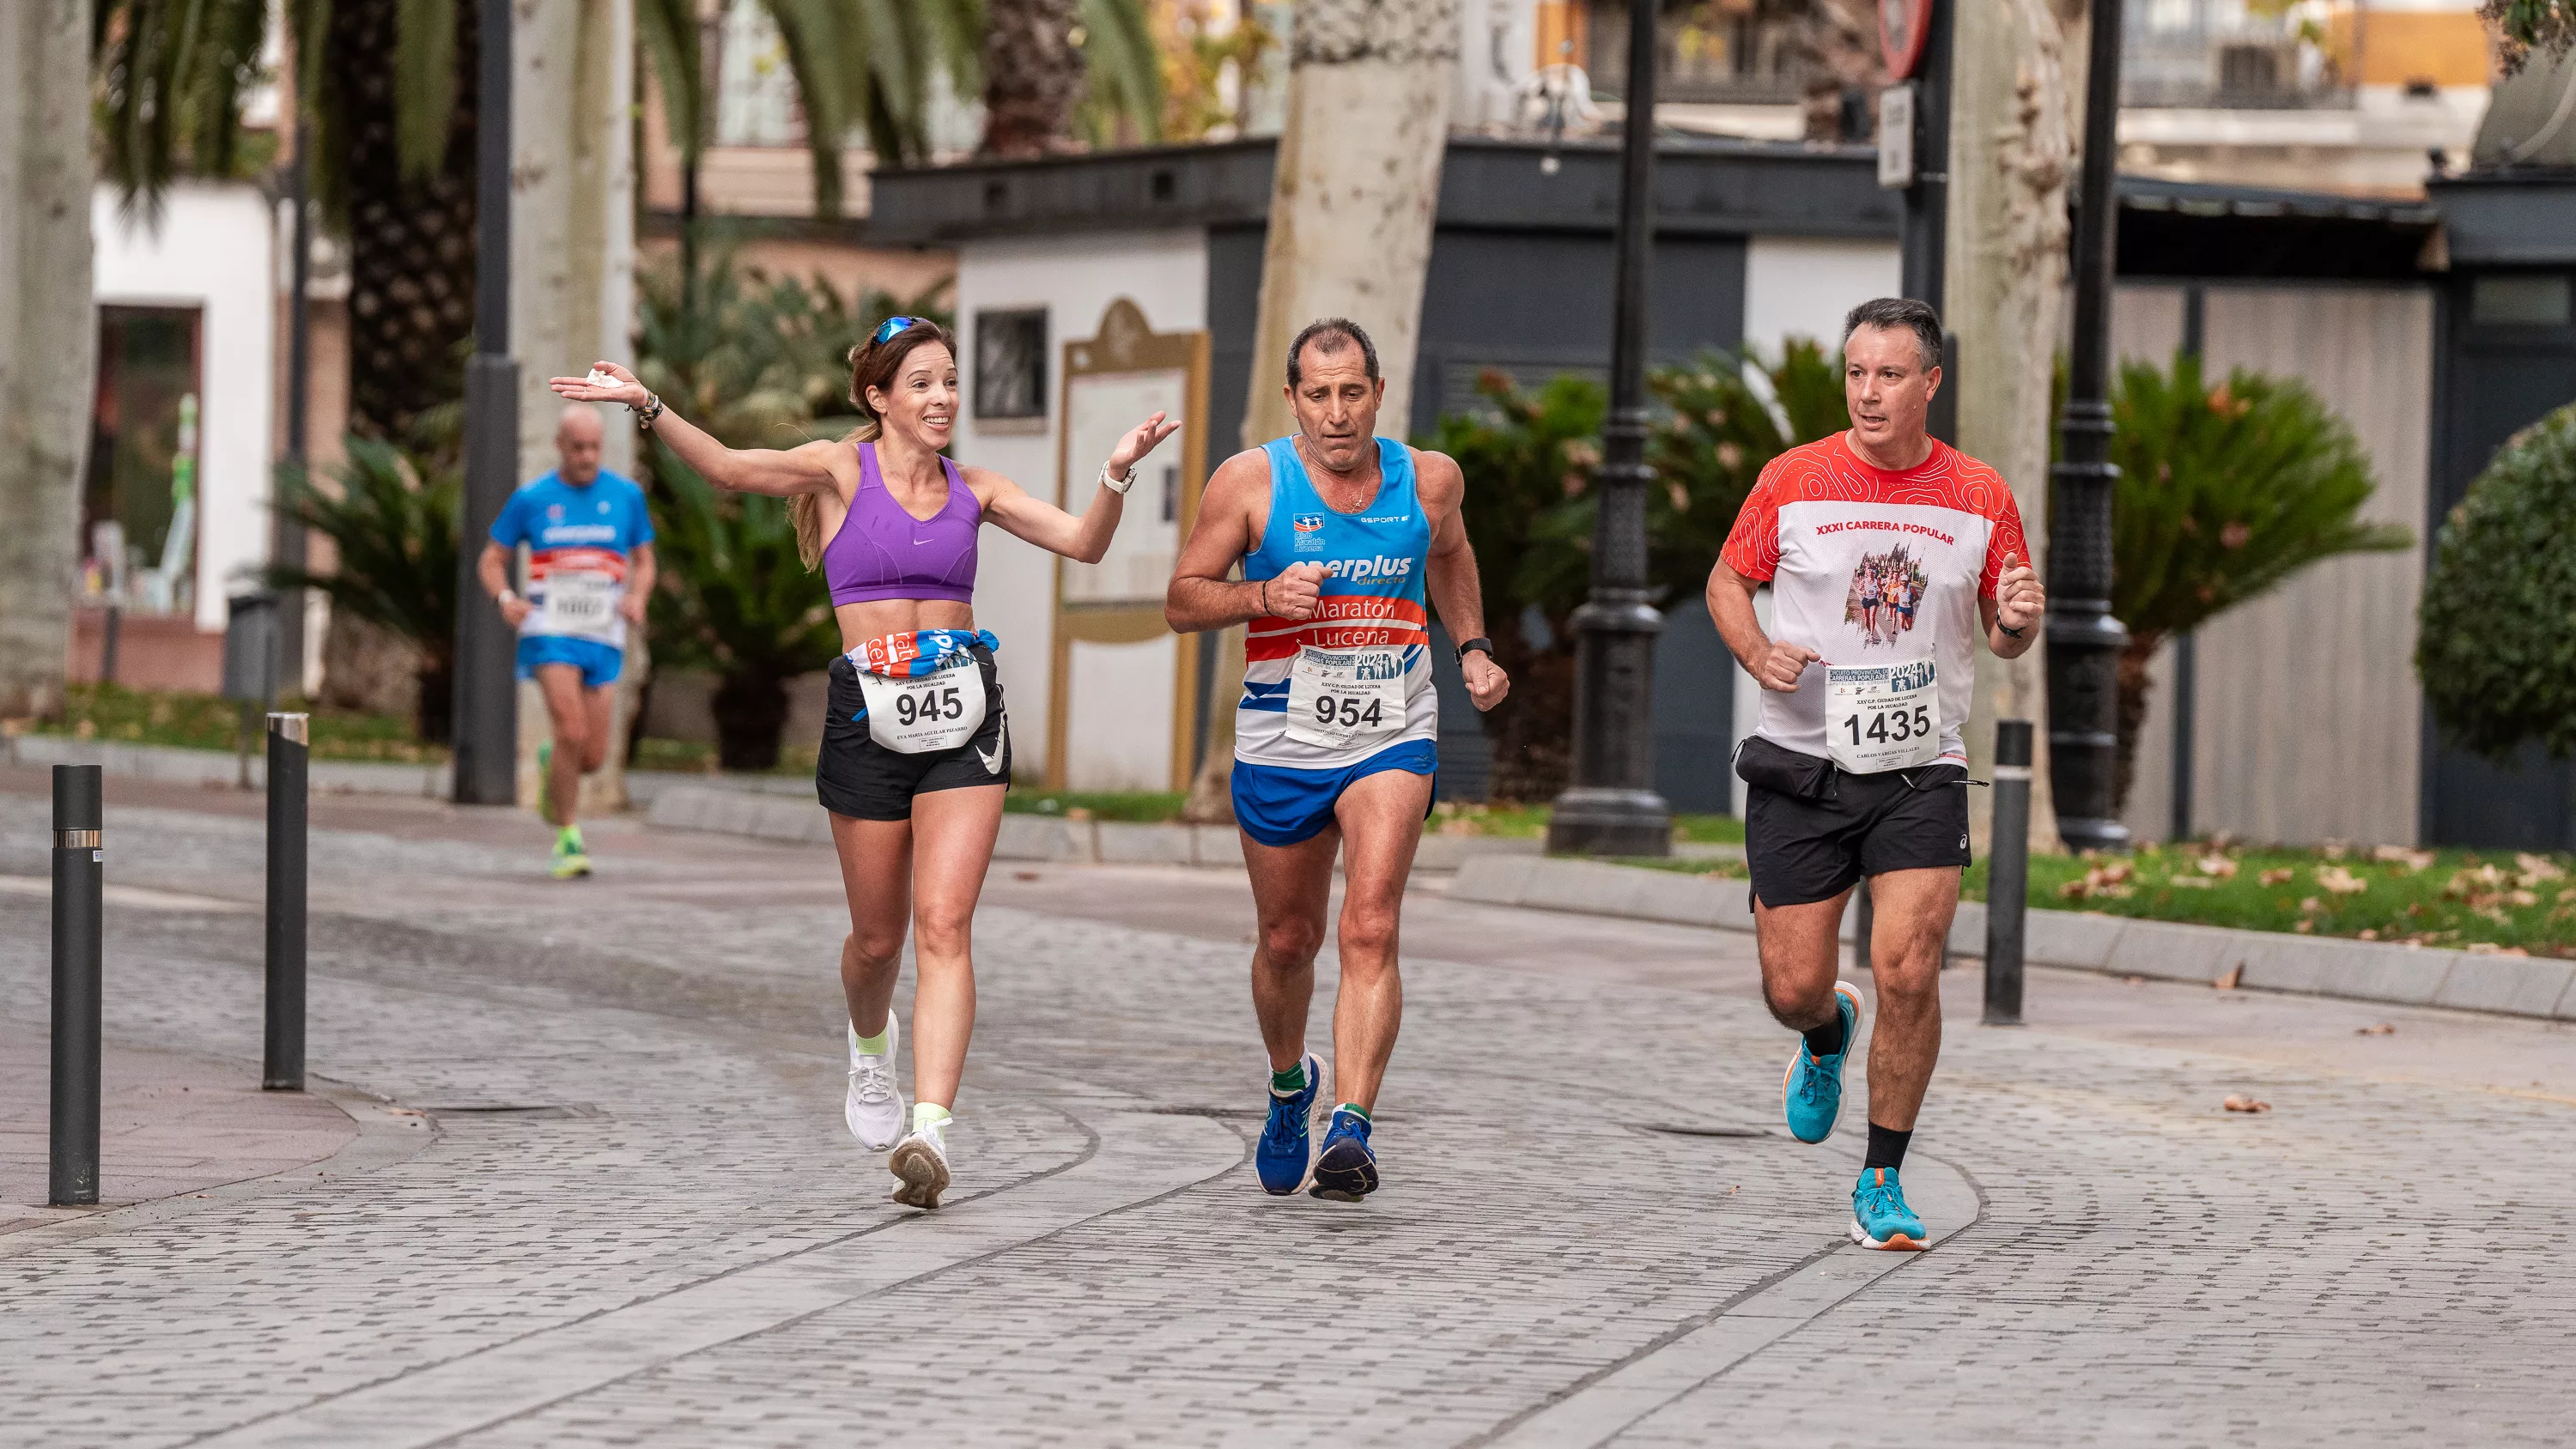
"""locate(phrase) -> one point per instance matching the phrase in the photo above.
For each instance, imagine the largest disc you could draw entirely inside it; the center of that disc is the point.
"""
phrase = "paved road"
(630, 1216)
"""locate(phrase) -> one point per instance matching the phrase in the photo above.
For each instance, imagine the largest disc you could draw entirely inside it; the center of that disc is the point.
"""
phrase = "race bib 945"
(1882, 717)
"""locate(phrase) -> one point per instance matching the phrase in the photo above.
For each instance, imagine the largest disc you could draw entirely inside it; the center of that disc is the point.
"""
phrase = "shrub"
(394, 529)
(2496, 646)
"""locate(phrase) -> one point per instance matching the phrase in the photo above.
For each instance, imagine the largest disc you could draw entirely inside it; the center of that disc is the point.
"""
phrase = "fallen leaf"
(2193, 882)
(2341, 881)
(2279, 875)
(2369, 933)
(2382, 1029)
(2490, 948)
(2333, 849)
(2247, 1104)
(2303, 925)
(1077, 812)
(2311, 904)
(2228, 982)
(1025, 875)
(2217, 865)
(2537, 868)
(2413, 860)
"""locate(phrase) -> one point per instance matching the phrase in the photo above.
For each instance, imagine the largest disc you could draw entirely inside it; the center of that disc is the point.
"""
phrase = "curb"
(798, 820)
(2535, 986)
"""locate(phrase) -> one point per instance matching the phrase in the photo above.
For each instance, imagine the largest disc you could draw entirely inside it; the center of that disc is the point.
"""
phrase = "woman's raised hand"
(1131, 450)
(582, 389)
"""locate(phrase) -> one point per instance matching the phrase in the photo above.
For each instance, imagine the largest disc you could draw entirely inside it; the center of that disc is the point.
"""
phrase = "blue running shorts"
(1280, 806)
(599, 663)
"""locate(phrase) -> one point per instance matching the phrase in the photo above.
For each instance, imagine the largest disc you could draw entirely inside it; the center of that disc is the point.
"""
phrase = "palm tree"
(46, 338)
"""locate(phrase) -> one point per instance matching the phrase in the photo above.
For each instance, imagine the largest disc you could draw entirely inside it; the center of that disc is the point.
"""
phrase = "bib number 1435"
(1883, 717)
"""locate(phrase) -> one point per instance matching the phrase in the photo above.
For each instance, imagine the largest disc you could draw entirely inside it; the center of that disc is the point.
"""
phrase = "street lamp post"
(1612, 808)
(2084, 641)
(485, 707)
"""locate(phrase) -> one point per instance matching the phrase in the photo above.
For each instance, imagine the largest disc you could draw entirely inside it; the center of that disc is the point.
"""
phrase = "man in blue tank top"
(1346, 541)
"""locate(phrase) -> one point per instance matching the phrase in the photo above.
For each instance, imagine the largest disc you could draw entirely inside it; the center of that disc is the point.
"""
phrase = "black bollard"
(2008, 873)
(288, 753)
(79, 871)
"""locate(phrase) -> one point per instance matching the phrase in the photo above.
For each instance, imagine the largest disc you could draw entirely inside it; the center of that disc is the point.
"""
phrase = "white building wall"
(214, 249)
(1075, 280)
(1801, 287)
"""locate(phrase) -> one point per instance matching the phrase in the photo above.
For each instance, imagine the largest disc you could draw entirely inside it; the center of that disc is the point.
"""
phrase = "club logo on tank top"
(1309, 528)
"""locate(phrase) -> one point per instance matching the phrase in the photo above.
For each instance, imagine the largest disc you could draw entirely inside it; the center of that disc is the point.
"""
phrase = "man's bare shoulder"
(1437, 477)
(1247, 469)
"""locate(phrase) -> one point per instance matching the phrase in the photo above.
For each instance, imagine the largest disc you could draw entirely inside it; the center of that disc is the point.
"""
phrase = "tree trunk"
(48, 340)
(572, 265)
(2011, 155)
(1351, 208)
(411, 244)
(1032, 77)
(751, 715)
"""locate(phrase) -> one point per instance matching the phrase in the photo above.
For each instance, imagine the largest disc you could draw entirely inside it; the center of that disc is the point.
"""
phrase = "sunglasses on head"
(891, 328)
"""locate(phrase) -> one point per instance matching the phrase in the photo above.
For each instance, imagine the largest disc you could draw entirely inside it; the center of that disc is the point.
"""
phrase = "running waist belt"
(918, 652)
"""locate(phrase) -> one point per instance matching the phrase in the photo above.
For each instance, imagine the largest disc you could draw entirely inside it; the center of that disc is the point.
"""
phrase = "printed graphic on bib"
(917, 716)
(1341, 698)
(1882, 717)
(580, 602)
(1886, 589)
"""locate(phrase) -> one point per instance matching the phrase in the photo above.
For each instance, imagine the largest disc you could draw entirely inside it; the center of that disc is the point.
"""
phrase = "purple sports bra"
(883, 552)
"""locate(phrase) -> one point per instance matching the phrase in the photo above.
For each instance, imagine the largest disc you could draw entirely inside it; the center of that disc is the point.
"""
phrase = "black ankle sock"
(1886, 1147)
(1826, 1040)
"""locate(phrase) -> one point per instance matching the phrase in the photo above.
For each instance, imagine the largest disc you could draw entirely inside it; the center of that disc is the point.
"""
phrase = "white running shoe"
(921, 1160)
(874, 1107)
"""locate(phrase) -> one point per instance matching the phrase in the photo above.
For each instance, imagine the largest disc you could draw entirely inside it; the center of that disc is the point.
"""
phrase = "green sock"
(1354, 1108)
(1290, 1082)
(569, 838)
(874, 1046)
(925, 1114)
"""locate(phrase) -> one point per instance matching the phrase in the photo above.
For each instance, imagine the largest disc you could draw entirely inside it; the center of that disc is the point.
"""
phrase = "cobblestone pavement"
(636, 1218)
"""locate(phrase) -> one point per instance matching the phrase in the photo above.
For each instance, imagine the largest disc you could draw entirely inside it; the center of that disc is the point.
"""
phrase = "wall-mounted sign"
(1896, 136)
(1903, 26)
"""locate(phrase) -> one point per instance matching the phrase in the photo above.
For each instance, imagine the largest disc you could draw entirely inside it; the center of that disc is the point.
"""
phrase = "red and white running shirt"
(1872, 567)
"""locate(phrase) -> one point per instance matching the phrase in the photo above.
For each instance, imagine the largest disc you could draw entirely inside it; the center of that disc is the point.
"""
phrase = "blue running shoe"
(1812, 1091)
(1280, 1156)
(1346, 1170)
(1880, 1218)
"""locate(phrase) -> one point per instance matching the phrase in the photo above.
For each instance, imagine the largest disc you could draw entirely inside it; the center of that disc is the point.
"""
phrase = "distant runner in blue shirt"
(590, 569)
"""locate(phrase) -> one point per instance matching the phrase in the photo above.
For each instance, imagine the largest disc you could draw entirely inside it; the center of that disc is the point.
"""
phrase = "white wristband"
(1118, 486)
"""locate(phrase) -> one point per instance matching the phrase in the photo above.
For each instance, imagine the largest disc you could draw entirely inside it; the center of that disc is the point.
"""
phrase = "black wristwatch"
(1479, 642)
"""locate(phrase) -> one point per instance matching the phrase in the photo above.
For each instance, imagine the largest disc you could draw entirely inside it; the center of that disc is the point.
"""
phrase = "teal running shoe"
(1812, 1090)
(1280, 1156)
(1880, 1218)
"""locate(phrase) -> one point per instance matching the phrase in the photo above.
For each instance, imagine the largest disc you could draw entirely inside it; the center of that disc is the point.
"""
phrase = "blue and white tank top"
(1373, 606)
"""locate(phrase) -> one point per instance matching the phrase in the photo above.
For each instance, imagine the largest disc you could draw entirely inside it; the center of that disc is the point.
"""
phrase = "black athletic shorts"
(1802, 851)
(857, 777)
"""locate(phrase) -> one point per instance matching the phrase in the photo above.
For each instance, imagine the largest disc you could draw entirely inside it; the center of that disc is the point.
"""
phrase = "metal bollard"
(79, 871)
(289, 751)
(2008, 873)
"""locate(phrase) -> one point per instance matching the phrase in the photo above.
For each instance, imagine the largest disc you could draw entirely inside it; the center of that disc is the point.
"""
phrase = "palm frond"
(424, 84)
(1122, 71)
(171, 75)
(668, 30)
(394, 529)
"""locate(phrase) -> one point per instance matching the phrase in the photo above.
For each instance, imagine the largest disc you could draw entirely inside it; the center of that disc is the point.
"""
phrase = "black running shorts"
(1802, 851)
(857, 777)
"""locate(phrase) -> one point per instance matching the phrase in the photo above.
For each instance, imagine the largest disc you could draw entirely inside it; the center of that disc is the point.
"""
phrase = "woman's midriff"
(879, 617)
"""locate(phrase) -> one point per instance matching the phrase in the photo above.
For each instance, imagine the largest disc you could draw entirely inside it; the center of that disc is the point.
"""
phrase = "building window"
(1010, 365)
(2519, 301)
(139, 506)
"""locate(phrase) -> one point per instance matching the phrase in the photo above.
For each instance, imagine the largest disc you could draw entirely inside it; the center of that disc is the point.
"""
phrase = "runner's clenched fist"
(1782, 664)
(1486, 681)
(1295, 592)
(2019, 599)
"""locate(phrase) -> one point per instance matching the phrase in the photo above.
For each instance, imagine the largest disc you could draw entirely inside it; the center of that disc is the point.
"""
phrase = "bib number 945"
(928, 708)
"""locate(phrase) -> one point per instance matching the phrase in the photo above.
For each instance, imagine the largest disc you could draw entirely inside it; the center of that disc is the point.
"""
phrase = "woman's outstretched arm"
(1083, 539)
(780, 473)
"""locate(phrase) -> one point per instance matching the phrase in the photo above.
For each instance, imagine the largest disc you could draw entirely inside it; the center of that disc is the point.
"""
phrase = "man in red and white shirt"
(1889, 554)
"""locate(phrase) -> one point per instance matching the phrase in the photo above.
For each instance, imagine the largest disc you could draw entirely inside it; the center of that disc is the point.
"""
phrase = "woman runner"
(916, 750)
